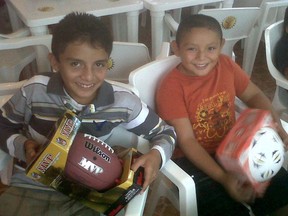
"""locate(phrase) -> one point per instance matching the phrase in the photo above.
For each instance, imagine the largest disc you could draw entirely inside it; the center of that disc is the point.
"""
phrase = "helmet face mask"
(266, 155)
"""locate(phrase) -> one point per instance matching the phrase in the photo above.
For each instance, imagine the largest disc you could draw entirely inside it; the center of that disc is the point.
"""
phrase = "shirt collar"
(104, 97)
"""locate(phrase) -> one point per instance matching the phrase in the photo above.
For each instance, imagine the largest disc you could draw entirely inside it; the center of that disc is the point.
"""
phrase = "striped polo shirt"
(33, 111)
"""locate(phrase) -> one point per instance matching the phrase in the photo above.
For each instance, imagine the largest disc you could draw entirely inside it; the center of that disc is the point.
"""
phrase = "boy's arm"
(11, 139)
(162, 137)
(253, 97)
(148, 125)
(11, 126)
(201, 159)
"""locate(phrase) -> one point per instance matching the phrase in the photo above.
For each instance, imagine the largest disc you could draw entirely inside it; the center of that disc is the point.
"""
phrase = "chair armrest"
(186, 186)
(6, 166)
(136, 205)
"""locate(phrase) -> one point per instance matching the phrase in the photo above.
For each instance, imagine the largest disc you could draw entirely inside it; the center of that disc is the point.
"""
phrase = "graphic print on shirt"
(213, 120)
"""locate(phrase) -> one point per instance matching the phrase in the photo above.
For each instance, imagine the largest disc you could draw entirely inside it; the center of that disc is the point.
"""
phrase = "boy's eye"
(192, 49)
(101, 64)
(75, 64)
(212, 48)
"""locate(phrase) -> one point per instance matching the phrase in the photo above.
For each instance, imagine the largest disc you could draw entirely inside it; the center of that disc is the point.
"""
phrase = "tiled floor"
(260, 76)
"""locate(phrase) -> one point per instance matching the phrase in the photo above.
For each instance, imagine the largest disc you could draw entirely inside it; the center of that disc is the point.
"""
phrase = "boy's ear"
(175, 48)
(53, 62)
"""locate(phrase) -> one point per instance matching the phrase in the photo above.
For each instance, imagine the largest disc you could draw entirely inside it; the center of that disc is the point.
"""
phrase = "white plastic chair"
(12, 62)
(145, 79)
(242, 20)
(27, 42)
(280, 101)
(126, 57)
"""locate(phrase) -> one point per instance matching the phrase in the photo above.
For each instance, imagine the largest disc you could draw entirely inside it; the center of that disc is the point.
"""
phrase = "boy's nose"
(87, 74)
(201, 55)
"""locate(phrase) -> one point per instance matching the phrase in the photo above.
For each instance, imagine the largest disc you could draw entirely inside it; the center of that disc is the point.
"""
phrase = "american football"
(92, 163)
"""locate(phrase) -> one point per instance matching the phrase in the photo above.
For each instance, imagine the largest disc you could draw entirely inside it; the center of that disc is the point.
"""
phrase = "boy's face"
(199, 51)
(83, 69)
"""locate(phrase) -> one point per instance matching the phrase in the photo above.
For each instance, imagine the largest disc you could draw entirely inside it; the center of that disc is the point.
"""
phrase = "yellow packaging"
(48, 168)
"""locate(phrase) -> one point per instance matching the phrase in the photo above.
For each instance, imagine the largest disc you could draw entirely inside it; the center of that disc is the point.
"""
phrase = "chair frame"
(281, 81)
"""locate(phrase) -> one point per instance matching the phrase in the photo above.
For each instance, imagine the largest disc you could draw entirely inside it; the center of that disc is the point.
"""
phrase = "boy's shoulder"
(40, 78)
(122, 87)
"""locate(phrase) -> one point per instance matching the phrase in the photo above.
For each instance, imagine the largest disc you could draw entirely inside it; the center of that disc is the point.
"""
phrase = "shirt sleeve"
(241, 79)
(147, 124)
(11, 126)
(170, 99)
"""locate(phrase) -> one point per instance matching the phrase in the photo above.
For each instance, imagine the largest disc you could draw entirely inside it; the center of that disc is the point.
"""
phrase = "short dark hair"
(81, 27)
(197, 21)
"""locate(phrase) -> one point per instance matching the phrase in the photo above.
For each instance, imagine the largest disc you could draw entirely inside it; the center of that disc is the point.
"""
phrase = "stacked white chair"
(13, 61)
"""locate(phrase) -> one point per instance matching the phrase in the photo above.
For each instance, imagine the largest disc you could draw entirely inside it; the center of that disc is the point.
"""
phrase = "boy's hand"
(151, 163)
(31, 149)
(239, 191)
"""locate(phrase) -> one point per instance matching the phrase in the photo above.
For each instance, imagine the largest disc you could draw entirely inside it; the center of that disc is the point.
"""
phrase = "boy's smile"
(83, 69)
(199, 50)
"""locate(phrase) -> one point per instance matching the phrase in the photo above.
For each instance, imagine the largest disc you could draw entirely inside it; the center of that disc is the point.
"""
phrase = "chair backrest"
(13, 61)
(247, 3)
(8, 89)
(272, 35)
(146, 78)
(126, 57)
(236, 24)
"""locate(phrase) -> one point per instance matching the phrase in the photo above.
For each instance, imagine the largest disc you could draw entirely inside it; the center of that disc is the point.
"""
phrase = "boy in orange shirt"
(197, 98)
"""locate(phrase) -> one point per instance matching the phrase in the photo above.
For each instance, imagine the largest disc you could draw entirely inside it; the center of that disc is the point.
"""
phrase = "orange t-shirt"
(208, 101)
